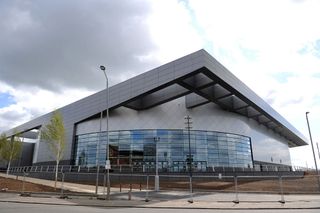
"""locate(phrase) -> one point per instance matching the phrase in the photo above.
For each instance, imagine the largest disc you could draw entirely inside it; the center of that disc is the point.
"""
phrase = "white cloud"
(62, 43)
(172, 30)
(254, 39)
(33, 102)
(258, 39)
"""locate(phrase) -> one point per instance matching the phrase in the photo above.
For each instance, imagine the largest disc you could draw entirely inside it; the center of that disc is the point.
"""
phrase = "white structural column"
(36, 147)
(156, 177)
(98, 154)
(188, 122)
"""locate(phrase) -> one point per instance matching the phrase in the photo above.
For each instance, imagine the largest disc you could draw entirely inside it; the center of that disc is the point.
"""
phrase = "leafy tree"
(3, 138)
(10, 149)
(54, 135)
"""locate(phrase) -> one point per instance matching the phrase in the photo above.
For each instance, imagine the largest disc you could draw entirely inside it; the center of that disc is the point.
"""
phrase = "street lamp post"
(188, 127)
(98, 153)
(156, 177)
(108, 165)
(318, 150)
(314, 156)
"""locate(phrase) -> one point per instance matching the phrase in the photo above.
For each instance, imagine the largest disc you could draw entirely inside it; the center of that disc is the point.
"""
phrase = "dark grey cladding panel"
(30, 135)
(161, 96)
(194, 100)
(154, 80)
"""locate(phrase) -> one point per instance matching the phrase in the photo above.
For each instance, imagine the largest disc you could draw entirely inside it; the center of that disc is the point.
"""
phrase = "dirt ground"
(7, 184)
(299, 185)
(307, 184)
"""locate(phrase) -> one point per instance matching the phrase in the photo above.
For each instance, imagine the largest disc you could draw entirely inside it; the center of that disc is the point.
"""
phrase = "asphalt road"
(35, 208)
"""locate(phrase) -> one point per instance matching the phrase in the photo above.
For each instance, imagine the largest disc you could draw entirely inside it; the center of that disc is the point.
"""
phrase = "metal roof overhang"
(204, 86)
(198, 76)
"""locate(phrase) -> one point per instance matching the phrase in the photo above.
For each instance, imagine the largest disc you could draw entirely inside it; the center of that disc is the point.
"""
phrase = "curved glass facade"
(139, 148)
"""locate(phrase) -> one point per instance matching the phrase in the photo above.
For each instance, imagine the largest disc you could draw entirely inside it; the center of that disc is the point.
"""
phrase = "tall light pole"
(314, 156)
(98, 152)
(108, 165)
(188, 122)
(156, 178)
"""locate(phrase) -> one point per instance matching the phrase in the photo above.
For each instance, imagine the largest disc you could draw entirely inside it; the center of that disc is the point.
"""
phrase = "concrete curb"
(149, 205)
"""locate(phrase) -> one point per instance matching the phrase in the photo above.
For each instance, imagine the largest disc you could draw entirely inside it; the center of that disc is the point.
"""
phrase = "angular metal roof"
(198, 76)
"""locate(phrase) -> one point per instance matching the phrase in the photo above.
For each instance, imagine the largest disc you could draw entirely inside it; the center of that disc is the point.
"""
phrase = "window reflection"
(138, 147)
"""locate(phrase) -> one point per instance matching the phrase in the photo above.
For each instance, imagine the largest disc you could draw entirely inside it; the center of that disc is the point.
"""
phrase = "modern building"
(231, 125)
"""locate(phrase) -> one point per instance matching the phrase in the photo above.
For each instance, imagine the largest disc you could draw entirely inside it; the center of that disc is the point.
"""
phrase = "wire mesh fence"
(129, 183)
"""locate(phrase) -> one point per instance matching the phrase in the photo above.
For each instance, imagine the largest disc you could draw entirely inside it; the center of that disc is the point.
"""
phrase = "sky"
(50, 51)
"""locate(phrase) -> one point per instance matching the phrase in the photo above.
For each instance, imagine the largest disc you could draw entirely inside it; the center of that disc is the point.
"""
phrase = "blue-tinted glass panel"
(139, 147)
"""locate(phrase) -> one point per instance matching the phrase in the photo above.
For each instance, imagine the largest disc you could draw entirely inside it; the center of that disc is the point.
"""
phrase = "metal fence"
(129, 182)
(150, 168)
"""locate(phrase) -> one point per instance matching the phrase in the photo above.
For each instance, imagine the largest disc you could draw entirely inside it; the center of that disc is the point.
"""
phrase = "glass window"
(208, 148)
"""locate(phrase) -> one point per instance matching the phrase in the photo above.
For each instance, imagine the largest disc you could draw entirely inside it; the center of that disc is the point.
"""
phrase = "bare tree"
(10, 149)
(54, 135)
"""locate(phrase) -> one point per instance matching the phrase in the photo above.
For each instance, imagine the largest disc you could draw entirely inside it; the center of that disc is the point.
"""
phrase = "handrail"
(145, 169)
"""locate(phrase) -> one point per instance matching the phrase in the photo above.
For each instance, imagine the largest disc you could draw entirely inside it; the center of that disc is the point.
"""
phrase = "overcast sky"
(50, 51)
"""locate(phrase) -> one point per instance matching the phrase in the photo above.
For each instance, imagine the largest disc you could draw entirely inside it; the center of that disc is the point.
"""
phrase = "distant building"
(231, 125)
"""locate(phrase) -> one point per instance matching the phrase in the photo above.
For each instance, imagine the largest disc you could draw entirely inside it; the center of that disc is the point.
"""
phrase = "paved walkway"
(165, 199)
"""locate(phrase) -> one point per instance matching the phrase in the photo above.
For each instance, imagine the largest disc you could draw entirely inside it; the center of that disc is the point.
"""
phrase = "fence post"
(23, 181)
(130, 190)
(129, 193)
(147, 190)
(191, 190)
(108, 184)
(120, 169)
(236, 201)
(23, 194)
(104, 185)
(120, 182)
(62, 196)
(103, 197)
(281, 190)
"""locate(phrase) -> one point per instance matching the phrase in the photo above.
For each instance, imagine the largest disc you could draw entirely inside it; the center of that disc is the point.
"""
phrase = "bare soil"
(307, 184)
(7, 184)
